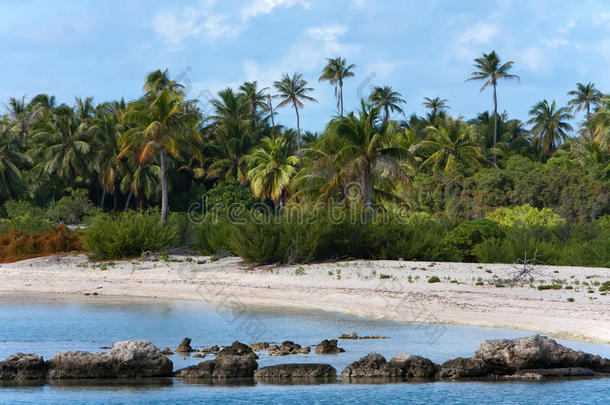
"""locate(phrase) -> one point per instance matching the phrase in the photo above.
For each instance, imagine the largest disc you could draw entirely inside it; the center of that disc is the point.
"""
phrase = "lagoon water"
(46, 325)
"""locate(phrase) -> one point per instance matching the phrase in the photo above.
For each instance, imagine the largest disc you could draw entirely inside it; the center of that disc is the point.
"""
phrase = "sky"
(420, 48)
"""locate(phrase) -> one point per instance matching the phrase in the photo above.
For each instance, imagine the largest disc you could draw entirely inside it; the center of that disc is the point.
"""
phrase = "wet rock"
(349, 336)
(506, 356)
(22, 366)
(540, 374)
(185, 346)
(463, 368)
(167, 351)
(257, 347)
(237, 349)
(223, 367)
(373, 365)
(414, 366)
(354, 336)
(199, 355)
(297, 371)
(288, 348)
(328, 347)
(212, 349)
(128, 359)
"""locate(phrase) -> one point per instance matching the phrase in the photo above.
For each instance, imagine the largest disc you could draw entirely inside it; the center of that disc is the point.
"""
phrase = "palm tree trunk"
(102, 200)
(128, 200)
(164, 195)
(296, 108)
(368, 200)
(495, 122)
(114, 200)
(387, 114)
(341, 97)
(271, 110)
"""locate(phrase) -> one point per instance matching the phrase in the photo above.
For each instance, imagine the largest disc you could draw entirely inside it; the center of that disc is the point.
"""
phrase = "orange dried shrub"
(15, 246)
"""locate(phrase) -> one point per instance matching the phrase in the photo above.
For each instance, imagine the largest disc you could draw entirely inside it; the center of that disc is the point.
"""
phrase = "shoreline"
(393, 290)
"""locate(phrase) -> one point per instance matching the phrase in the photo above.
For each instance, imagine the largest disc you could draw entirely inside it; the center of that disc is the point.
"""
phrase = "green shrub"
(127, 235)
(70, 209)
(23, 217)
(434, 279)
(468, 234)
(525, 216)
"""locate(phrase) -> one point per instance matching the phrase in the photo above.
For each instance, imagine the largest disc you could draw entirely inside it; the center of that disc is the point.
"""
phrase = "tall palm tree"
(166, 125)
(599, 124)
(293, 91)
(229, 106)
(160, 80)
(254, 98)
(364, 150)
(272, 166)
(490, 70)
(551, 125)
(336, 71)
(583, 98)
(436, 104)
(386, 99)
(451, 148)
(141, 181)
(106, 150)
(12, 160)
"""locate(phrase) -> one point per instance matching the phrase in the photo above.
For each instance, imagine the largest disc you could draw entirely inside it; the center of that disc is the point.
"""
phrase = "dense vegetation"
(491, 188)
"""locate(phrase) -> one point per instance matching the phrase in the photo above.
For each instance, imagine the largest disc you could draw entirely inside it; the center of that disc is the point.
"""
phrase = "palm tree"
(387, 99)
(293, 91)
(254, 98)
(158, 81)
(490, 70)
(335, 71)
(550, 125)
(599, 125)
(166, 125)
(436, 104)
(583, 98)
(451, 148)
(12, 160)
(229, 106)
(364, 150)
(140, 181)
(106, 150)
(272, 166)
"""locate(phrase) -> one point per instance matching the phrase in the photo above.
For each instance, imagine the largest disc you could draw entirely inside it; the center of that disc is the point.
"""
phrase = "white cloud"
(326, 33)
(468, 43)
(533, 58)
(260, 7)
(385, 68)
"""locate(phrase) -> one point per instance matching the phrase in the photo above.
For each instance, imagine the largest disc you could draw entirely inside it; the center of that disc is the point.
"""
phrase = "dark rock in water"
(354, 336)
(288, 348)
(223, 367)
(349, 336)
(167, 351)
(540, 374)
(132, 358)
(373, 365)
(414, 366)
(22, 366)
(506, 356)
(185, 346)
(463, 368)
(199, 355)
(328, 347)
(297, 371)
(105, 347)
(237, 349)
(212, 349)
(257, 347)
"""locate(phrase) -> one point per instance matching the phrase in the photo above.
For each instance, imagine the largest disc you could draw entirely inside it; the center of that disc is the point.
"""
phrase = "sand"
(396, 290)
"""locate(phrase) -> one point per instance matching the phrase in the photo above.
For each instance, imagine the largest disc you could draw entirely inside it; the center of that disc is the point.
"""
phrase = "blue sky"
(421, 48)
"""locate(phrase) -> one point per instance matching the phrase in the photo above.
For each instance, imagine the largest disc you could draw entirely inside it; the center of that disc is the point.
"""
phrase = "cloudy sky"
(105, 48)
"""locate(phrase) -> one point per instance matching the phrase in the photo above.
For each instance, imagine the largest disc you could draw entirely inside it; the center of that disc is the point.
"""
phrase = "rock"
(355, 336)
(128, 359)
(22, 366)
(199, 355)
(185, 346)
(506, 356)
(297, 371)
(463, 368)
(212, 349)
(257, 347)
(372, 365)
(167, 351)
(237, 349)
(328, 347)
(223, 367)
(539, 374)
(288, 348)
(349, 336)
(414, 366)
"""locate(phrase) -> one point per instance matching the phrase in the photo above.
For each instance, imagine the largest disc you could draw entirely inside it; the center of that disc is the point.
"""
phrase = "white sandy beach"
(377, 289)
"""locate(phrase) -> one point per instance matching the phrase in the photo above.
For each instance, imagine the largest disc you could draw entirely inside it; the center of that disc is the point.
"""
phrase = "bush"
(127, 235)
(23, 218)
(434, 279)
(467, 234)
(16, 245)
(70, 209)
(526, 216)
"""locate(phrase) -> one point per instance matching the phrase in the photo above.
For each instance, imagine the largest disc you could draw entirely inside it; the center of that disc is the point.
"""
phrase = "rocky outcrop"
(463, 368)
(212, 349)
(288, 348)
(414, 366)
(185, 346)
(22, 366)
(373, 365)
(506, 356)
(237, 349)
(167, 351)
(222, 367)
(128, 359)
(354, 336)
(328, 347)
(257, 347)
(540, 374)
(297, 371)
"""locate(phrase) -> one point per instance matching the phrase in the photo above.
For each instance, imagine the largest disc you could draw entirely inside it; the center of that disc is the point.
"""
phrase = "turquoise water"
(51, 325)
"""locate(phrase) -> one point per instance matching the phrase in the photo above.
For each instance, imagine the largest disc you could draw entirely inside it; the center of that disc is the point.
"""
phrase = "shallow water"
(48, 325)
